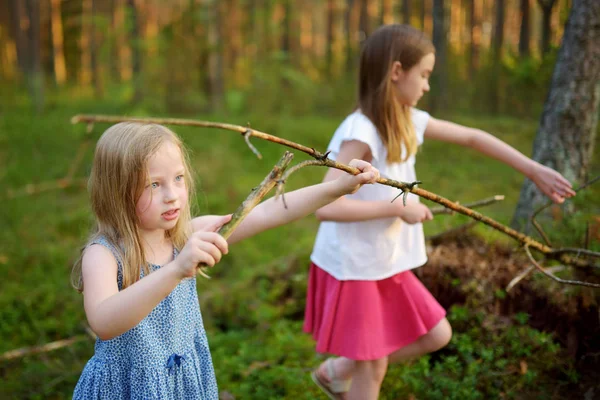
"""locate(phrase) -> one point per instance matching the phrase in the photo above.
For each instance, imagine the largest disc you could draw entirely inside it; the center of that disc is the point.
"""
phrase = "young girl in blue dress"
(364, 304)
(137, 271)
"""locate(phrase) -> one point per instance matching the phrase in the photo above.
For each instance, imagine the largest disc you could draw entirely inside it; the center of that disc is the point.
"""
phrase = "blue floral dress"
(165, 356)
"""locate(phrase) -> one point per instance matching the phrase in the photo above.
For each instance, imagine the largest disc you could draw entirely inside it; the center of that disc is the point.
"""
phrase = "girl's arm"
(302, 202)
(111, 312)
(348, 210)
(550, 182)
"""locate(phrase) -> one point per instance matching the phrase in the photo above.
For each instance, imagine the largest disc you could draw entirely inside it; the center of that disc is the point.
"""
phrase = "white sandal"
(334, 387)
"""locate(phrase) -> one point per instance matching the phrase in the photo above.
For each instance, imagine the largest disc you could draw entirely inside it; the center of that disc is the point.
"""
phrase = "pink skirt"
(368, 320)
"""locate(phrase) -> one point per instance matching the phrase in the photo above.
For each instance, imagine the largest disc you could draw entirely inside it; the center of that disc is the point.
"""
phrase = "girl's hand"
(349, 184)
(552, 183)
(414, 212)
(201, 247)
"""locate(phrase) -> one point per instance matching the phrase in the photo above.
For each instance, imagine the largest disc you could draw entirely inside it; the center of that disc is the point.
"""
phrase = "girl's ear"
(397, 71)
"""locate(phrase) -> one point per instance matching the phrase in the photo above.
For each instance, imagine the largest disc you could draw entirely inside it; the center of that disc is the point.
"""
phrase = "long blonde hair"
(376, 98)
(117, 180)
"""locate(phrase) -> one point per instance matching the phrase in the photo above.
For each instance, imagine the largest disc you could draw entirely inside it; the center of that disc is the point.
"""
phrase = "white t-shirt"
(378, 248)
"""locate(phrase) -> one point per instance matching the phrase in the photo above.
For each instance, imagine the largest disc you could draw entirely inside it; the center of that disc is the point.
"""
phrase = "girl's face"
(165, 194)
(411, 85)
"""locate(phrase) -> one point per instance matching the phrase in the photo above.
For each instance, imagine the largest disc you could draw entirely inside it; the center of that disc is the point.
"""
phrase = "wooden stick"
(26, 351)
(255, 197)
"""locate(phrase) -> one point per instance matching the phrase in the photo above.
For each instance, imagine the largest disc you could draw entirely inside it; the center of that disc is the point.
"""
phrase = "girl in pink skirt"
(363, 303)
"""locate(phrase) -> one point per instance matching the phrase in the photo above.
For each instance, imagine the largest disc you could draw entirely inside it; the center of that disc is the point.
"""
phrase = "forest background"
(287, 68)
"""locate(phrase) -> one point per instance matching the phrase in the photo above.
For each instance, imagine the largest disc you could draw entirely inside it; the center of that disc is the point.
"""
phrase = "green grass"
(253, 304)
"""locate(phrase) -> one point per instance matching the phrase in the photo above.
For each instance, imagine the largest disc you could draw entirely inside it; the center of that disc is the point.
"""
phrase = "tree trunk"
(26, 28)
(95, 65)
(330, 37)
(406, 11)
(387, 12)
(136, 55)
(524, 31)
(365, 23)
(497, 43)
(352, 27)
(121, 68)
(547, 6)
(475, 38)
(58, 54)
(565, 137)
(16, 13)
(215, 57)
(437, 99)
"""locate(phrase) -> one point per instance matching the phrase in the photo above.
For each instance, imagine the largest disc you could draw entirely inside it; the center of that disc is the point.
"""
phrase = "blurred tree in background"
(246, 55)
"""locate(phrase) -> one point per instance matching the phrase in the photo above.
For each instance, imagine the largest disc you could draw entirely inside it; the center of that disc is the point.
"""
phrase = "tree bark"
(565, 137)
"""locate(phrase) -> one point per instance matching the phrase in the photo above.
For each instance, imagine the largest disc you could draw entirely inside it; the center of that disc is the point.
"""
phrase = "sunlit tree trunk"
(524, 30)
(440, 33)
(85, 66)
(8, 58)
(387, 12)
(58, 54)
(566, 135)
(122, 66)
(497, 43)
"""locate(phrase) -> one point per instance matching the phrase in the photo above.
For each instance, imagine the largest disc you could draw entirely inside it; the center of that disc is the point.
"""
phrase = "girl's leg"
(367, 376)
(433, 340)
(366, 379)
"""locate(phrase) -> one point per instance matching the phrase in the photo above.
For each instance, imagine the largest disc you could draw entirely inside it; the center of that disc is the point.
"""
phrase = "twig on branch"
(67, 181)
(578, 252)
(519, 278)
(404, 186)
(535, 214)
(475, 204)
(289, 172)
(26, 351)
(255, 197)
(36, 188)
(557, 279)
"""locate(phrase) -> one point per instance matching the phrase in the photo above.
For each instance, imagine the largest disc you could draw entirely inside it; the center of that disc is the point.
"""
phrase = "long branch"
(403, 186)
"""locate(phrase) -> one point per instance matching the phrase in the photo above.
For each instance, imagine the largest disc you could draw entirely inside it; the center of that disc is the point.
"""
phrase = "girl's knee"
(439, 336)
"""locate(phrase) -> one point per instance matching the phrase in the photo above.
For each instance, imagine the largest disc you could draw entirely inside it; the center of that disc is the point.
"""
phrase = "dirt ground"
(464, 266)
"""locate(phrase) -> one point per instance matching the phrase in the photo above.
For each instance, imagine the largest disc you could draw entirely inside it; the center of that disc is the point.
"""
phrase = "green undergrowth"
(253, 305)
